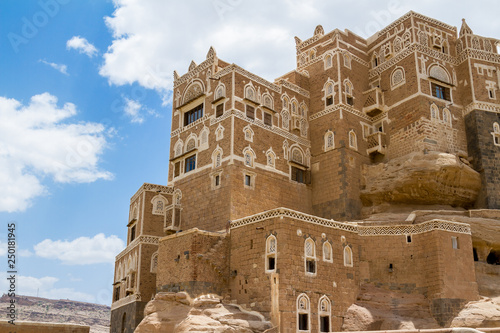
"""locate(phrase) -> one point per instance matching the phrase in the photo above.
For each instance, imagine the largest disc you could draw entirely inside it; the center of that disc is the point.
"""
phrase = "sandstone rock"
(207, 314)
(418, 178)
(483, 313)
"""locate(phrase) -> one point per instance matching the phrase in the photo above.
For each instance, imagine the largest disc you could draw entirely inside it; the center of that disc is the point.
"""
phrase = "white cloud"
(257, 35)
(59, 67)
(37, 140)
(81, 251)
(81, 45)
(44, 287)
(25, 253)
(132, 110)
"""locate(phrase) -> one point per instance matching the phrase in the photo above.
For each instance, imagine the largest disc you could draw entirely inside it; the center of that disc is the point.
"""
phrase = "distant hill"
(38, 309)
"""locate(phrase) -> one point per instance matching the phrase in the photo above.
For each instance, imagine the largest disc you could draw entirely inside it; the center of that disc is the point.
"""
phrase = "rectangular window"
(303, 322)
(271, 261)
(190, 163)
(193, 115)
(310, 266)
(329, 100)
(177, 169)
(454, 242)
(117, 294)
(408, 238)
(324, 323)
(132, 233)
(248, 180)
(217, 180)
(219, 110)
(440, 92)
(350, 100)
(268, 119)
(250, 110)
(298, 175)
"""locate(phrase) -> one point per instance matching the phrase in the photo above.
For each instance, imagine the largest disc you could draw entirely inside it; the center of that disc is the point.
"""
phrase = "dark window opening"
(271, 262)
(350, 100)
(177, 169)
(324, 324)
(490, 92)
(493, 258)
(132, 233)
(375, 62)
(268, 119)
(303, 322)
(497, 139)
(298, 175)
(124, 320)
(117, 294)
(190, 163)
(329, 100)
(250, 111)
(251, 244)
(193, 115)
(217, 180)
(474, 253)
(310, 266)
(408, 238)
(440, 92)
(248, 180)
(219, 110)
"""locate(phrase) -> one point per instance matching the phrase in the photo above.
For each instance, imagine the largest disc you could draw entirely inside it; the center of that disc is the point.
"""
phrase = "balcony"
(172, 219)
(376, 143)
(374, 103)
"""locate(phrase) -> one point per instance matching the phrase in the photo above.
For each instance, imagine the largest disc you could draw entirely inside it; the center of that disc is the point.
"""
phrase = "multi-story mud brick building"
(266, 178)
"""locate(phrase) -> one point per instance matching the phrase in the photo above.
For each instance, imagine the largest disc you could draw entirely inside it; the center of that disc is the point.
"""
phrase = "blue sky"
(85, 91)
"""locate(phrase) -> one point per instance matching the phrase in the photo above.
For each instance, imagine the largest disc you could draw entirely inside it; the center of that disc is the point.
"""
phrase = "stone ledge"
(36, 327)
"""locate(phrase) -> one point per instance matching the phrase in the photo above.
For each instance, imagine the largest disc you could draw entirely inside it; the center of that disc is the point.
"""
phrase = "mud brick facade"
(263, 204)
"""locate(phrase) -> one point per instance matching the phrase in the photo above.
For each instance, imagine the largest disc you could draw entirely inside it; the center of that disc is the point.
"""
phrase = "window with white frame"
(353, 140)
(247, 130)
(271, 254)
(303, 313)
(347, 60)
(268, 101)
(220, 92)
(454, 242)
(348, 88)
(159, 204)
(329, 94)
(295, 107)
(327, 252)
(348, 256)
(219, 133)
(328, 61)
(329, 141)
(434, 112)
(250, 92)
(217, 158)
(496, 134)
(324, 313)
(447, 116)
(270, 158)
(490, 87)
(285, 120)
(154, 262)
(310, 256)
(249, 157)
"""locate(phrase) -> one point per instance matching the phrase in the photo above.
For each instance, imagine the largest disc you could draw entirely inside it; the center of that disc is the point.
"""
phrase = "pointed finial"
(465, 29)
(319, 30)
(176, 75)
(192, 65)
(298, 41)
(211, 52)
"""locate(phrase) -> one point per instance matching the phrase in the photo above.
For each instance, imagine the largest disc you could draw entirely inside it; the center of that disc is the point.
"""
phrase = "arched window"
(324, 313)
(294, 107)
(297, 156)
(303, 110)
(154, 262)
(178, 148)
(250, 92)
(328, 61)
(303, 313)
(327, 252)
(204, 138)
(447, 116)
(286, 102)
(434, 112)
(191, 144)
(397, 77)
(177, 197)
(248, 132)
(193, 91)
(374, 60)
(496, 134)
(348, 88)
(303, 127)
(423, 38)
(329, 141)
(310, 256)
(475, 43)
(159, 204)
(444, 47)
(348, 256)
(271, 254)
(249, 157)
(271, 158)
(220, 92)
(217, 158)
(219, 133)
(353, 140)
(487, 45)
(347, 60)
(328, 93)
(398, 44)
(268, 101)
(459, 46)
(285, 120)
(406, 39)
(124, 322)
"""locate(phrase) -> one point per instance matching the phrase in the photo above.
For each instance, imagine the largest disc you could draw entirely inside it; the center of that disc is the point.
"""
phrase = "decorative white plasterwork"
(154, 188)
(143, 239)
(393, 230)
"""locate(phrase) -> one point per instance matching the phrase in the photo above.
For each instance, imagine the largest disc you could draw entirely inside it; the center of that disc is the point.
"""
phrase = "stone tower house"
(266, 178)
